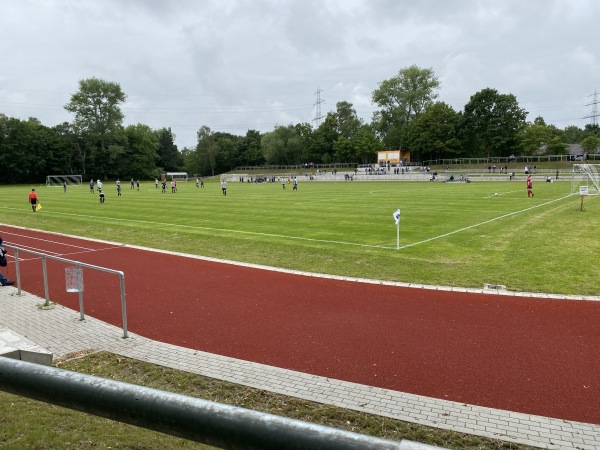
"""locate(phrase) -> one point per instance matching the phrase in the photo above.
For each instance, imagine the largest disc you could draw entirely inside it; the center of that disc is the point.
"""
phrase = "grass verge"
(29, 424)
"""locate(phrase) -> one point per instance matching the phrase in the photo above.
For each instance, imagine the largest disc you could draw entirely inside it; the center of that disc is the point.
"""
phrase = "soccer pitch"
(451, 234)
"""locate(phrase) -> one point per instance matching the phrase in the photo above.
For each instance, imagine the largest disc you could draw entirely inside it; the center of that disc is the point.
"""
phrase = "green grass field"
(451, 234)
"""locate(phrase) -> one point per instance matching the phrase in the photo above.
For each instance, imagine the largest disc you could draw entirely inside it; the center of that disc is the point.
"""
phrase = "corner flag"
(396, 216)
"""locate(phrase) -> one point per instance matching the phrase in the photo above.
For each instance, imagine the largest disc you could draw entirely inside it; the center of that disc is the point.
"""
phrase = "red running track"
(531, 355)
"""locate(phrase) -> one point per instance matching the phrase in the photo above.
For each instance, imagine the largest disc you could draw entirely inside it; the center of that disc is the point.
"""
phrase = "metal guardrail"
(199, 420)
(78, 265)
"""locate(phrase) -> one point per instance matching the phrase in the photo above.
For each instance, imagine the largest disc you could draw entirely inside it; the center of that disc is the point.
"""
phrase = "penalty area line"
(483, 223)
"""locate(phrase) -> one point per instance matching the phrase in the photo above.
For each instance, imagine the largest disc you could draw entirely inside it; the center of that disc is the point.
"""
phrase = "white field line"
(325, 241)
(225, 230)
(502, 193)
(484, 222)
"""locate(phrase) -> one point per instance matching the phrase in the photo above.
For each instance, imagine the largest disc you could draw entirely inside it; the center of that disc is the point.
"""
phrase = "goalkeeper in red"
(529, 186)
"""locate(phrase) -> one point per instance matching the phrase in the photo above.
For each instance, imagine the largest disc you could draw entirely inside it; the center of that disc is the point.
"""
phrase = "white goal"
(59, 180)
(179, 176)
(586, 178)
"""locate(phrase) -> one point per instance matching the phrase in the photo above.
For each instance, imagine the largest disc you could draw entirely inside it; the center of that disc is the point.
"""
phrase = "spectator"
(3, 280)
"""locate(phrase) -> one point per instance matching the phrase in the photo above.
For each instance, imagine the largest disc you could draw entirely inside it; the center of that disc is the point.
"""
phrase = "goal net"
(59, 180)
(586, 178)
(178, 176)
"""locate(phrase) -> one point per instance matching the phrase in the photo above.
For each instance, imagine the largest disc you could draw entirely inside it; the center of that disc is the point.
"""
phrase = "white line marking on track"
(46, 241)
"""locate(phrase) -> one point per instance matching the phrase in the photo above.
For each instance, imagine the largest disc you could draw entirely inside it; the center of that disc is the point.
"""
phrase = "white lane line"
(62, 255)
(33, 238)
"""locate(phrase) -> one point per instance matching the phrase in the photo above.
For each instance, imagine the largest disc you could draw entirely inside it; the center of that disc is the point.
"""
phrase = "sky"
(236, 65)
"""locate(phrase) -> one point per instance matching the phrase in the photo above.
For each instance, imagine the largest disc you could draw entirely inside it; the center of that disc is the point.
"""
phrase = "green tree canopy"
(170, 159)
(590, 144)
(205, 159)
(492, 123)
(348, 122)
(96, 108)
(404, 97)
(434, 134)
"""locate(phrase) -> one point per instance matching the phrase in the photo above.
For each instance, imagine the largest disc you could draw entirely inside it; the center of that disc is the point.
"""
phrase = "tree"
(309, 152)
(169, 157)
(348, 122)
(141, 152)
(404, 97)
(29, 151)
(273, 148)
(275, 145)
(538, 138)
(592, 129)
(573, 134)
(492, 123)
(343, 150)
(434, 134)
(557, 146)
(72, 151)
(97, 113)
(249, 148)
(323, 139)
(533, 138)
(366, 145)
(590, 144)
(206, 152)
(228, 156)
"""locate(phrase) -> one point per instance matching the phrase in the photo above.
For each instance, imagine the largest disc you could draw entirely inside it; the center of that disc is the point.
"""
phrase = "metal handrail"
(199, 420)
(78, 265)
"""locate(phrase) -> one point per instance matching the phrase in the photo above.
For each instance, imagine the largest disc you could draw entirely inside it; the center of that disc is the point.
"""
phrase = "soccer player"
(529, 186)
(224, 187)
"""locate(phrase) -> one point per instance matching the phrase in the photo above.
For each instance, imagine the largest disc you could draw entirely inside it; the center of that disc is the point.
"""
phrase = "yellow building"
(393, 156)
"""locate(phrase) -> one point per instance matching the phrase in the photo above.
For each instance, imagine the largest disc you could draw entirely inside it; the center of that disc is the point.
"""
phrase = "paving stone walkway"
(60, 331)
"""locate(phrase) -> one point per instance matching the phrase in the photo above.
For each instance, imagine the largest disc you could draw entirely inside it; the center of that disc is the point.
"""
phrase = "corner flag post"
(396, 216)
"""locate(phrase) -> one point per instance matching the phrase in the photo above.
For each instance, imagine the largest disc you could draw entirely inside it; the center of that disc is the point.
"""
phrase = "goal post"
(586, 178)
(178, 176)
(59, 180)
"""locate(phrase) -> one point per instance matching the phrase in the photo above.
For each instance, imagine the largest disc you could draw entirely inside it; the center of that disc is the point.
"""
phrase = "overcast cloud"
(235, 65)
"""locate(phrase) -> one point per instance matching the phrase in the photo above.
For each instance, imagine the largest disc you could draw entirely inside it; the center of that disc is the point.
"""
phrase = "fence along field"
(451, 234)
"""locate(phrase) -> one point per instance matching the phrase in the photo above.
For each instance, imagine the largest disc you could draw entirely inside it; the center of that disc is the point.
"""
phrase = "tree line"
(96, 144)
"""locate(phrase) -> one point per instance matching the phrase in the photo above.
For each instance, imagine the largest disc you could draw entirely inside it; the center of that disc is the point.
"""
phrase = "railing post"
(16, 250)
(45, 271)
(80, 285)
(123, 305)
